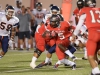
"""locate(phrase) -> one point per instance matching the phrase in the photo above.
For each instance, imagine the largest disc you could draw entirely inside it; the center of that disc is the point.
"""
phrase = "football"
(54, 34)
(46, 34)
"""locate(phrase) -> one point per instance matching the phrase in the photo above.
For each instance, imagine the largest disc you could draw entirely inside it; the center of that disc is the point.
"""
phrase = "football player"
(62, 42)
(90, 16)
(80, 41)
(39, 14)
(8, 22)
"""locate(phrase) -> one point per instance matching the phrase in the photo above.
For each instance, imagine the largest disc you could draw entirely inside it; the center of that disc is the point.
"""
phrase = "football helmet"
(55, 10)
(89, 3)
(80, 4)
(39, 6)
(54, 21)
(10, 11)
(94, 3)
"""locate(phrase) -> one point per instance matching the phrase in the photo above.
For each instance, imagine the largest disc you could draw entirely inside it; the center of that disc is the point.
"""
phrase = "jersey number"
(2, 26)
(61, 35)
(39, 16)
(93, 16)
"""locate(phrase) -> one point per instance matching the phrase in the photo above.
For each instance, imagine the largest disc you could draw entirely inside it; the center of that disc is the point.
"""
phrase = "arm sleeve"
(16, 22)
(80, 23)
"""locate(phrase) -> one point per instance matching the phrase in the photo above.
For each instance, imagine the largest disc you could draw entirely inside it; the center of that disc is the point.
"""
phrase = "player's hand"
(54, 34)
(28, 10)
(73, 38)
(46, 34)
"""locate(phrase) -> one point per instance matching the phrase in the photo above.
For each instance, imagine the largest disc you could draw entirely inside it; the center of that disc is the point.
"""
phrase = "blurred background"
(46, 3)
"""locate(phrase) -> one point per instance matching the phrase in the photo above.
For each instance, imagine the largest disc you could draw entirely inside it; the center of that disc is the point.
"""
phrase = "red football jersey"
(62, 30)
(92, 17)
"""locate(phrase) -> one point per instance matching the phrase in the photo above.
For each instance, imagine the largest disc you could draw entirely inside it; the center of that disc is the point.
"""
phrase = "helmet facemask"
(54, 21)
(80, 4)
(39, 6)
(10, 12)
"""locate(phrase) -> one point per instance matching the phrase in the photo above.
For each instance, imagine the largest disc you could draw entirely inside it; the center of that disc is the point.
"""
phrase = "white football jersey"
(5, 25)
(39, 15)
(46, 18)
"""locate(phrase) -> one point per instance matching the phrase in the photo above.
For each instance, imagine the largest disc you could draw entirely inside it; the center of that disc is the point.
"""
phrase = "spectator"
(25, 17)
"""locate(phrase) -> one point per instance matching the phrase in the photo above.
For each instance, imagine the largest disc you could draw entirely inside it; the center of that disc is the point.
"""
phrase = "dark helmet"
(39, 6)
(89, 3)
(94, 3)
(55, 9)
(80, 4)
(54, 21)
(10, 11)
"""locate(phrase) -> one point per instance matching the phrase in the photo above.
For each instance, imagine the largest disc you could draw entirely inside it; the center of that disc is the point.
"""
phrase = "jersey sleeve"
(80, 23)
(82, 11)
(1, 15)
(16, 22)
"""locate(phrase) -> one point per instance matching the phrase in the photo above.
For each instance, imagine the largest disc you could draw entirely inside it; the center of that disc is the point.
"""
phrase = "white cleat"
(33, 65)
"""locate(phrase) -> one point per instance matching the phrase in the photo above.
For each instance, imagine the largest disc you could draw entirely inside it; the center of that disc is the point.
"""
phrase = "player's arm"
(13, 32)
(14, 29)
(29, 12)
(80, 23)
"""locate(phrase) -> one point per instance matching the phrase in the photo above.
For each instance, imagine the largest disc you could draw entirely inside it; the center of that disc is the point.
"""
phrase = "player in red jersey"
(90, 16)
(62, 42)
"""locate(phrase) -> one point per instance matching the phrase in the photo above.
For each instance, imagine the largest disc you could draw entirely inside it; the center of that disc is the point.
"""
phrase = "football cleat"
(32, 65)
(83, 58)
(74, 67)
(55, 66)
(95, 74)
(50, 63)
(74, 58)
(41, 65)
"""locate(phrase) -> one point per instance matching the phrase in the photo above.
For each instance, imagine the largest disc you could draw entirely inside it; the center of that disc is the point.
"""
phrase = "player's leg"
(72, 50)
(61, 56)
(16, 42)
(63, 46)
(21, 39)
(28, 37)
(47, 61)
(81, 42)
(85, 54)
(4, 42)
(40, 47)
(91, 50)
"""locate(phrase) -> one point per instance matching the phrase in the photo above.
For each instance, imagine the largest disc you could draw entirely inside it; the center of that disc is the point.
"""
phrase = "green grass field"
(17, 63)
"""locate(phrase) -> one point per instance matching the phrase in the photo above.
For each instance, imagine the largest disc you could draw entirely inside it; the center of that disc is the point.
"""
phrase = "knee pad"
(38, 51)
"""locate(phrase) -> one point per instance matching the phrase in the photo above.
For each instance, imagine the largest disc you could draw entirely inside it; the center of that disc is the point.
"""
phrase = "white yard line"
(18, 54)
(18, 70)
